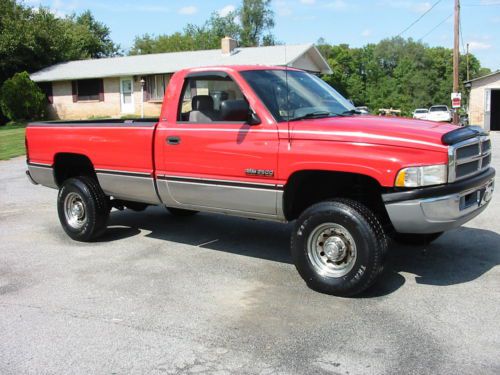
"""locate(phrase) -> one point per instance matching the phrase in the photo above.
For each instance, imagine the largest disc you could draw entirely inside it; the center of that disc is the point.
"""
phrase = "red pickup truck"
(274, 144)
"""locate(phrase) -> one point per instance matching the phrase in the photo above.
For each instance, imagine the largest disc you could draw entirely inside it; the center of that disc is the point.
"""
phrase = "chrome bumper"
(42, 174)
(30, 179)
(441, 212)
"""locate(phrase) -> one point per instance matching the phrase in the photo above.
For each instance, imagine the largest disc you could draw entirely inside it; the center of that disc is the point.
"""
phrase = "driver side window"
(212, 98)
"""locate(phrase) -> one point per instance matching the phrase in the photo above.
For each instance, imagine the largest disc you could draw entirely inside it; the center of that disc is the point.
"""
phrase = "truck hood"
(391, 131)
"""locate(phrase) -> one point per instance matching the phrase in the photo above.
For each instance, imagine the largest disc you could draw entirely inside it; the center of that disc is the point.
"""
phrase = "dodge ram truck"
(278, 144)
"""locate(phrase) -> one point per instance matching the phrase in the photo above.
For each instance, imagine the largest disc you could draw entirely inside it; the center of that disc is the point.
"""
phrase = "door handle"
(173, 140)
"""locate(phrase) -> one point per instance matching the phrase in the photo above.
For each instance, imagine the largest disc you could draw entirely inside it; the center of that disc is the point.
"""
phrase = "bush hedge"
(22, 99)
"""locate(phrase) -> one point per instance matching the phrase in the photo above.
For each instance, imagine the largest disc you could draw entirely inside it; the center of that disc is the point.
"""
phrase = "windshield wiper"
(317, 114)
(351, 112)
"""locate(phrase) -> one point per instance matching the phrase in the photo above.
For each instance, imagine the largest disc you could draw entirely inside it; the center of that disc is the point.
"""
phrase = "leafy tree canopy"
(256, 18)
(32, 39)
(248, 25)
(398, 73)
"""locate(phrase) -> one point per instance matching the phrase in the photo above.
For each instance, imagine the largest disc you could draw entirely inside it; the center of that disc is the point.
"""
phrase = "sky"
(355, 22)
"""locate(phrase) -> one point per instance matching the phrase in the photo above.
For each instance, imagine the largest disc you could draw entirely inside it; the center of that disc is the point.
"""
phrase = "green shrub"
(21, 98)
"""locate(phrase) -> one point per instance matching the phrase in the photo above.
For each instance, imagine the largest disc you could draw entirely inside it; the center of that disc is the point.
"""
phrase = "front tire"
(83, 208)
(338, 247)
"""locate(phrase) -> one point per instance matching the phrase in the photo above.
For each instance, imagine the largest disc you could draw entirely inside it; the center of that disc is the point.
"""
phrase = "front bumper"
(440, 208)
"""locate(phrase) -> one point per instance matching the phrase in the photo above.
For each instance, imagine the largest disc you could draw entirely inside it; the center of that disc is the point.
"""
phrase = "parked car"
(420, 113)
(363, 110)
(439, 113)
(282, 145)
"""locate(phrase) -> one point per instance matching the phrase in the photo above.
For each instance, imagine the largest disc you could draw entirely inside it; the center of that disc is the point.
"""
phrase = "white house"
(119, 86)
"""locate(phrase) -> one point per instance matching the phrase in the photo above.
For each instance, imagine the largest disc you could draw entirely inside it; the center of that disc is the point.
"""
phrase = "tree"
(256, 18)
(21, 98)
(91, 37)
(399, 73)
(247, 25)
(32, 39)
(193, 37)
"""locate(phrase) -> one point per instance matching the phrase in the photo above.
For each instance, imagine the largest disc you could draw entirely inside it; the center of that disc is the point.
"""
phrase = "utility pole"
(456, 55)
(467, 57)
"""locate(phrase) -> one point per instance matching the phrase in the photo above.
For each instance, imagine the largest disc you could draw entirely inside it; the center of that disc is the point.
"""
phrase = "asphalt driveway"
(218, 295)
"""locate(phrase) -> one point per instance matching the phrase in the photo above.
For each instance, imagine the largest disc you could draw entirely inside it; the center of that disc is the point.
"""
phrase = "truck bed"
(118, 149)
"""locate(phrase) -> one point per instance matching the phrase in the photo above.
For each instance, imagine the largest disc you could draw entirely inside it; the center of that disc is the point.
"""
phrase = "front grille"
(469, 158)
(486, 145)
(468, 151)
(467, 169)
(486, 161)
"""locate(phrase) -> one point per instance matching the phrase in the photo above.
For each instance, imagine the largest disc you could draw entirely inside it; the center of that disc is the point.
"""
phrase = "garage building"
(484, 102)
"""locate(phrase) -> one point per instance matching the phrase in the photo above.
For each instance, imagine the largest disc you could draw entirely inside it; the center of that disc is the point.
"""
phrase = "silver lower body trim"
(250, 202)
(129, 187)
(30, 179)
(43, 175)
(439, 214)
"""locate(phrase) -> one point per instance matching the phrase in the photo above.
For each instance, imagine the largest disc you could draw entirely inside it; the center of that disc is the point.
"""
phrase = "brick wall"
(64, 108)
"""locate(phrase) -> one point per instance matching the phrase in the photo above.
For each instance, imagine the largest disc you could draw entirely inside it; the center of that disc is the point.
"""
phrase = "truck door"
(213, 159)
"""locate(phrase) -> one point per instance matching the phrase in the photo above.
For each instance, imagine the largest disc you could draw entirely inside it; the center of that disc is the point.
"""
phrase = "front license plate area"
(477, 198)
(469, 200)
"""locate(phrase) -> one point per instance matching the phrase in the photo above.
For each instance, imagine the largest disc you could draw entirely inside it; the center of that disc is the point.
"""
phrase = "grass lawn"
(12, 141)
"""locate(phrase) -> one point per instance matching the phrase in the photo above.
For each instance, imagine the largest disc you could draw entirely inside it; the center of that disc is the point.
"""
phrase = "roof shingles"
(172, 62)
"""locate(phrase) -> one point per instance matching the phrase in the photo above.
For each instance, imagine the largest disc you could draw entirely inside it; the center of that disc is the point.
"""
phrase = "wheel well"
(306, 188)
(72, 165)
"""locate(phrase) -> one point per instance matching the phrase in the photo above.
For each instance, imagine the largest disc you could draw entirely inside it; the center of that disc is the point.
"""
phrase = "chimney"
(228, 45)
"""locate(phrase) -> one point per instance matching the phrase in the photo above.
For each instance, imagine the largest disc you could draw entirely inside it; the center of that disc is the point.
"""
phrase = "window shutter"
(74, 90)
(146, 96)
(101, 90)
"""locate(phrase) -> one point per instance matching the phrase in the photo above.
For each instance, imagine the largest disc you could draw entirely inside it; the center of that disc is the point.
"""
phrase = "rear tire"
(338, 247)
(181, 212)
(83, 208)
(415, 239)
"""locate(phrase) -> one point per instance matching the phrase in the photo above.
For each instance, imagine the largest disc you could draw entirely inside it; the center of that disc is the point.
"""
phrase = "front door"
(127, 95)
(212, 158)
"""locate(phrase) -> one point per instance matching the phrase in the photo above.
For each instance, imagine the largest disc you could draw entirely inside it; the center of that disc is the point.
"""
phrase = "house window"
(88, 89)
(156, 86)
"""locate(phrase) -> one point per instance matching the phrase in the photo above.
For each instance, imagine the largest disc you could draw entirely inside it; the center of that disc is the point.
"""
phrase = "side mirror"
(253, 118)
(238, 110)
(234, 110)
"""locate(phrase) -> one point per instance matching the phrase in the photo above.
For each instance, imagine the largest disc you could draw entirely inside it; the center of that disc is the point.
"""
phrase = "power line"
(462, 34)
(419, 18)
(435, 27)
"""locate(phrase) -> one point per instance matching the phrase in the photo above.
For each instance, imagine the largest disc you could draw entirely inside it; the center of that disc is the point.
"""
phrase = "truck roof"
(238, 68)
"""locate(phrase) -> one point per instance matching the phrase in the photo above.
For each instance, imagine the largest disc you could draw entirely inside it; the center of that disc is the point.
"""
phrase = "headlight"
(422, 176)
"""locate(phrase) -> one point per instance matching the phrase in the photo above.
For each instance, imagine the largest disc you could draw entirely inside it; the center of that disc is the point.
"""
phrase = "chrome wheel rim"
(74, 210)
(331, 250)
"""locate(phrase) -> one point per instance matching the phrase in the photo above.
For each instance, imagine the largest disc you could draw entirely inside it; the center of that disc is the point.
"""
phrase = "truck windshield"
(293, 95)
